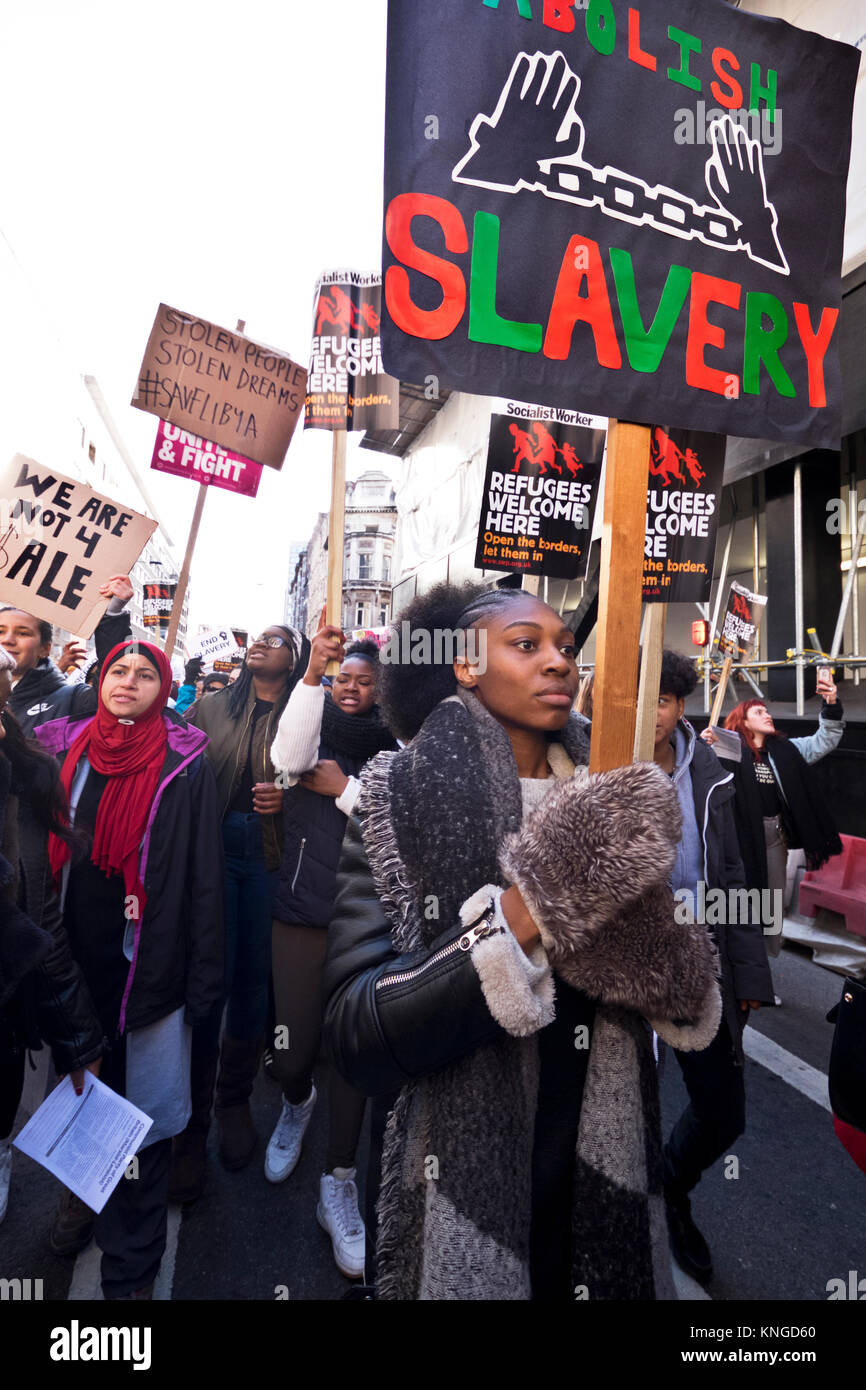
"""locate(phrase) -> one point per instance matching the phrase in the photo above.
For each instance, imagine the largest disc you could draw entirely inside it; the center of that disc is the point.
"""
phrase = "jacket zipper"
(298, 865)
(463, 943)
(233, 785)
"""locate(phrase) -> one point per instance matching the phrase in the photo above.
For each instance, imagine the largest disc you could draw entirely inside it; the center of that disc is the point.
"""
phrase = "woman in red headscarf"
(143, 911)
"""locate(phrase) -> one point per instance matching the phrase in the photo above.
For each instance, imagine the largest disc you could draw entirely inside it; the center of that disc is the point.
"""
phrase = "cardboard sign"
(189, 456)
(740, 624)
(347, 388)
(59, 540)
(637, 209)
(540, 491)
(222, 386)
(156, 605)
(682, 521)
(213, 646)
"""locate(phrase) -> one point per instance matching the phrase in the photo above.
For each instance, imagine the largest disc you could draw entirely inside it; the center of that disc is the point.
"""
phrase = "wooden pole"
(650, 673)
(720, 691)
(620, 590)
(183, 581)
(336, 536)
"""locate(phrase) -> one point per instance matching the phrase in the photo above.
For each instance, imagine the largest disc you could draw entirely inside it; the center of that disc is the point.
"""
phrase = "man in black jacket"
(708, 854)
(40, 690)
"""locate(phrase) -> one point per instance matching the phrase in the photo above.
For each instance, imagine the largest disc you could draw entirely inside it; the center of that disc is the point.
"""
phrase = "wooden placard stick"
(720, 690)
(336, 537)
(183, 579)
(620, 590)
(650, 674)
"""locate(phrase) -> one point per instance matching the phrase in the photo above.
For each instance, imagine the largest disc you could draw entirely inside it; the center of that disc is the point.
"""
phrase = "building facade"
(368, 560)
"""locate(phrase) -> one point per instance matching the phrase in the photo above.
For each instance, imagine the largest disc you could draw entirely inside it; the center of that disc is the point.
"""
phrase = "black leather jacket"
(51, 1002)
(390, 1018)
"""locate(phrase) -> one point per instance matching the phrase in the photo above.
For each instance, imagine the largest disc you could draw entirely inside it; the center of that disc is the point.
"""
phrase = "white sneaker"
(284, 1147)
(338, 1214)
(5, 1174)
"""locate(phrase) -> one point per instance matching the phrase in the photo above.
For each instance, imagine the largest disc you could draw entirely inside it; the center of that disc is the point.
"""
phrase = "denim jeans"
(249, 889)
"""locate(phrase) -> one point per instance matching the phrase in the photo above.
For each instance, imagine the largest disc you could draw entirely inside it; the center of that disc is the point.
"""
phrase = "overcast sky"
(216, 157)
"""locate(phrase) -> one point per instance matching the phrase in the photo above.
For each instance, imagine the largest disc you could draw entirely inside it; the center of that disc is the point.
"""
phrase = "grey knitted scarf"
(455, 1200)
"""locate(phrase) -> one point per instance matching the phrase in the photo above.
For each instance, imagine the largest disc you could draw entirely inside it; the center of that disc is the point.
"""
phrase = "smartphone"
(825, 673)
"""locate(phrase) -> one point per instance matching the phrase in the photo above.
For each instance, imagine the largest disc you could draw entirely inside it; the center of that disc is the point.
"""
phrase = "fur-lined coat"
(454, 1015)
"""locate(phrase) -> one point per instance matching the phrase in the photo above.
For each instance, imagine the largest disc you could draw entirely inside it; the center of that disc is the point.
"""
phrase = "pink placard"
(189, 456)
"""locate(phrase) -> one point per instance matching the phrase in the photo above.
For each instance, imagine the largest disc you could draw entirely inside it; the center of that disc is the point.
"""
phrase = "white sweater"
(295, 748)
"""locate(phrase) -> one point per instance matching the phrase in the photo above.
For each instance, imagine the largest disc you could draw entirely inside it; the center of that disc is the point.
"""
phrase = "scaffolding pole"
(798, 587)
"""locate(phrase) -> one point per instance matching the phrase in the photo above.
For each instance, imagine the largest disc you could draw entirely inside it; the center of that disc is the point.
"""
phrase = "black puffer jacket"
(313, 829)
(742, 954)
(43, 693)
(50, 1001)
(179, 945)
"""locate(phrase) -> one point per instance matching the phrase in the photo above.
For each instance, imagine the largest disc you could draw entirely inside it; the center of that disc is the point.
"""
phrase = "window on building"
(365, 566)
(383, 617)
(360, 619)
(386, 568)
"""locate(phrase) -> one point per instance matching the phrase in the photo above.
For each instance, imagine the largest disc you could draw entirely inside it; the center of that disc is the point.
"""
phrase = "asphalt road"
(793, 1218)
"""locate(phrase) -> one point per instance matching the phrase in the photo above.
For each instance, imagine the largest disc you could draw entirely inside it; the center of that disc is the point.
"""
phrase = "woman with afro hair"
(502, 942)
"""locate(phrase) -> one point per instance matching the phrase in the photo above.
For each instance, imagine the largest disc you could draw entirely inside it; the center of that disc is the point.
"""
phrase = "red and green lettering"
(645, 348)
(733, 97)
(485, 324)
(582, 262)
(815, 346)
(706, 290)
(424, 323)
(687, 44)
(762, 344)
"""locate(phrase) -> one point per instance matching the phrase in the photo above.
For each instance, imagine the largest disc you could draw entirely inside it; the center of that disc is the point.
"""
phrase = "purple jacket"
(178, 947)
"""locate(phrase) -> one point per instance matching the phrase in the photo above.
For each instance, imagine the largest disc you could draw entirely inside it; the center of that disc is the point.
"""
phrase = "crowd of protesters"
(409, 864)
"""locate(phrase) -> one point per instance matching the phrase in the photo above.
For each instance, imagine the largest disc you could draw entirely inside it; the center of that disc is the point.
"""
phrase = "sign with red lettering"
(189, 456)
(740, 624)
(637, 209)
(347, 388)
(217, 384)
(540, 491)
(156, 606)
(682, 518)
(59, 541)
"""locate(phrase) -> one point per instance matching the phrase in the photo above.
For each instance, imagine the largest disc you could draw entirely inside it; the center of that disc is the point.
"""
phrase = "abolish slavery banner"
(635, 207)
(156, 605)
(682, 519)
(59, 541)
(347, 387)
(187, 455)
(540, 491)
(740, 623)
(235, 391)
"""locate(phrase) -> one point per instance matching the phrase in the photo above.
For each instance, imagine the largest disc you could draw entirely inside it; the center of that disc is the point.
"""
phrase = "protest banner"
(540, 491)
(221, 385)
(630, 250)
(347, 387)
(639, 210)
(186, 455)
(156, 605)
(738, 636)
(685, 488)
(60, 541)
(218, 645)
